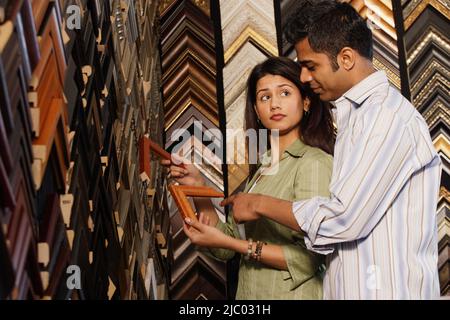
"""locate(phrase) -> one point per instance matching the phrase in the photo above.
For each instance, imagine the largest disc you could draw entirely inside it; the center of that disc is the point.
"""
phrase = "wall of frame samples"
(74, 104)
(85, 211)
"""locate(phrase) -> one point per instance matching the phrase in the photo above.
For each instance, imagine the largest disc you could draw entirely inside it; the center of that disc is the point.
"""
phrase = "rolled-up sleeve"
(230, 229)
(364, 187)
(302, 264)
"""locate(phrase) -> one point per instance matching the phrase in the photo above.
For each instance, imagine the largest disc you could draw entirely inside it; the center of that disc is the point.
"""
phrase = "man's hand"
(248, 207)
(244, 206)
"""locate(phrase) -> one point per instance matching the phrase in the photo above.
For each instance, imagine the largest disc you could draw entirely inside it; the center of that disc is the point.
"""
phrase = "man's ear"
(306, 104)
(347, 58)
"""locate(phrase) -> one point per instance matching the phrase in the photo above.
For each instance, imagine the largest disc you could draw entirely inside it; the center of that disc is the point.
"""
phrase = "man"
(378, 228)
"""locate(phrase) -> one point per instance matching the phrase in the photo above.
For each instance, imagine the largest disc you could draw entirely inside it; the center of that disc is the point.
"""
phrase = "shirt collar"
(356, 96)
(365, 88)
(297, 149)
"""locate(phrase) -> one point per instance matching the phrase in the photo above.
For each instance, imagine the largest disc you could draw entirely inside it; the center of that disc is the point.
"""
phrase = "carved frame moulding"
(190, 97)
(190, 67)
(248, 19)
(189, 43)
(185, 14)
(411, 15)
(187, 119)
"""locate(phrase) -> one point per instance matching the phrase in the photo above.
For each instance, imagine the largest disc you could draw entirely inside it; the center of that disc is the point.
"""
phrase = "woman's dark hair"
(316, 129)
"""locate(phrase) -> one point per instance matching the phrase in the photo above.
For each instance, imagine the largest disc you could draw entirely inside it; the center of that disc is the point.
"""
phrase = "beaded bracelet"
(258, 250)
(249, 249)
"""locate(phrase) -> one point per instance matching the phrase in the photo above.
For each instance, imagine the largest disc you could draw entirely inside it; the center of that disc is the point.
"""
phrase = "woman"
(275, 263)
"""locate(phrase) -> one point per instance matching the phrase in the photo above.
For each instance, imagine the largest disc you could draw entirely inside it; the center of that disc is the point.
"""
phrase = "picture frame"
(146, 145)
(180, 194)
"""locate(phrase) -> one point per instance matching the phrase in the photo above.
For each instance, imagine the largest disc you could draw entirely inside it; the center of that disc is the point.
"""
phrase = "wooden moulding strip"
(144, 159)
(181, 193)
(43, 144)
(159, 151)
(39, 8)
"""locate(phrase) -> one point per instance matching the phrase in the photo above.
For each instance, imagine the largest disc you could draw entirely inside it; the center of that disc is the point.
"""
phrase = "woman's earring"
(258, 121)
(307, 113)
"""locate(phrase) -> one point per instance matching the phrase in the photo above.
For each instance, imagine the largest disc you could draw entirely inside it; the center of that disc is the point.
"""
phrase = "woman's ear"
(306, 104)
(257, 114)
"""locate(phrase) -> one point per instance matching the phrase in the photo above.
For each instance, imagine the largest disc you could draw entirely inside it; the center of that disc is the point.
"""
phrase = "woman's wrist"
(257, 204)
(237, 245)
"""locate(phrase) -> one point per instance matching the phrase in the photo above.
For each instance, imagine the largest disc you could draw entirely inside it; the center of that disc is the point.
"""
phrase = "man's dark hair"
(329, 27)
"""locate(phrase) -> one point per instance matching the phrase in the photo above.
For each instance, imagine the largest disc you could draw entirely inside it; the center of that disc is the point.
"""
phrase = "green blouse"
(304, 172)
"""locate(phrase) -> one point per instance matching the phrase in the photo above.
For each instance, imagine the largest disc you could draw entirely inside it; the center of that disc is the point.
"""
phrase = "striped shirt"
(378, 228)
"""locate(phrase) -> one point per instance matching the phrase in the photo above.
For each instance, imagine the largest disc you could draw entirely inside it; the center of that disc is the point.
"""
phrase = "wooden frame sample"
(47, 80)
(9, 65)
(30, 35)
(53, 132)
(39, 7)
(159, 150)
(48, 228)
(7, 277)
(7, 197)
(21, 237)
(144, 159)
(146, 144)
(180, 194)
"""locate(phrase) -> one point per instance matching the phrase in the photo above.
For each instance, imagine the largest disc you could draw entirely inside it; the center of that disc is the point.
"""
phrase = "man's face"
(318, 73)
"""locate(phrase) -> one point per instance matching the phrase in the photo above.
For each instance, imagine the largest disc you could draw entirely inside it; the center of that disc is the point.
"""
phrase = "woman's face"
(279, 104)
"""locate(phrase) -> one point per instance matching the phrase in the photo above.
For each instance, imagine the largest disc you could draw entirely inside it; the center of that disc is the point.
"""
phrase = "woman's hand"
(203, 234)
(185, 174)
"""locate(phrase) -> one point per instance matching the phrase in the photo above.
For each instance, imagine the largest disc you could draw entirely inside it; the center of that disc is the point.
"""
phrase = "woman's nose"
(275, 103)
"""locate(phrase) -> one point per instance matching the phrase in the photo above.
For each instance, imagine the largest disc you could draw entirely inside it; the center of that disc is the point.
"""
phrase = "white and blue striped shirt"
(379, 226)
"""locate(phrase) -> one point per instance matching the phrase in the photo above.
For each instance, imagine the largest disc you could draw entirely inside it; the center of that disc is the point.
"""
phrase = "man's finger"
(227, 201)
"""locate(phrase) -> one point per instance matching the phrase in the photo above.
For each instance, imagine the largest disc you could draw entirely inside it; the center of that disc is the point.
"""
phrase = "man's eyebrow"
(303, 62)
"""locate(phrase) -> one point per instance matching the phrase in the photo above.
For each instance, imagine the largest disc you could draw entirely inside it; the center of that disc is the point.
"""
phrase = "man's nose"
(305, 76)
